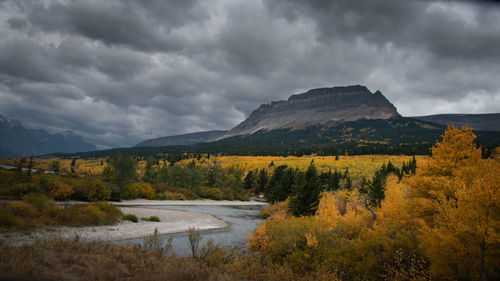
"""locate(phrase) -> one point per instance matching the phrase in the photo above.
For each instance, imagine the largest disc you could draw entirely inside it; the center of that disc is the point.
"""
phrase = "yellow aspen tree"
(457, 149)
(435, 178)
(464, 242)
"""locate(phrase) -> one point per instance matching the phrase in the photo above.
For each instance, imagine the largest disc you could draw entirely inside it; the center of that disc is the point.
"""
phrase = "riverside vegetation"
(437, 221)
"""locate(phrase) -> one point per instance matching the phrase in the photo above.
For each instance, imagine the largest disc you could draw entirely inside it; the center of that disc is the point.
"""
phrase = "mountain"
(326, 121)
(15, 140)
(186, 139)
(479, 122)
(323, 106)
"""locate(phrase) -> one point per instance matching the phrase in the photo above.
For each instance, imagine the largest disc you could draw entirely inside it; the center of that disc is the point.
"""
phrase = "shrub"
(139, 190)
(173, 196)
(159, 187)
(213, 253)
(153, 241)
(213, 193)
(194, 237)
(59, 190)
(7, 220)
(151, 218)
(97, 190)
(89, 214)
(41, 202)
(24, 209)
(130, 217)
(228, 195)
(186, 193)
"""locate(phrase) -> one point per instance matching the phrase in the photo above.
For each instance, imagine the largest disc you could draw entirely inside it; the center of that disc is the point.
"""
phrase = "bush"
(24, 209)
(41, 202)
(39, 210)
(151, 218)
(159, 187)
(97, 190)
(139, 190)
(130, 217)
(89, 214)
(59, 190)
(173, 196)
(186, 193)
(153, 241)
(213, 193)
(7, 220)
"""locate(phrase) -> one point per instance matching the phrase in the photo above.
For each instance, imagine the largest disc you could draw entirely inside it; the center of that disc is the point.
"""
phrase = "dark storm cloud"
(144, 25)
(118, 71)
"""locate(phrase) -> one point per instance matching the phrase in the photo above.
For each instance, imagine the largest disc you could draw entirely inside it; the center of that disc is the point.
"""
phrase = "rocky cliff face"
(322, 106)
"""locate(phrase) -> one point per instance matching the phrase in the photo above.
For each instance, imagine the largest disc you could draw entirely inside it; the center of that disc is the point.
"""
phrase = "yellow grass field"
(359, 166)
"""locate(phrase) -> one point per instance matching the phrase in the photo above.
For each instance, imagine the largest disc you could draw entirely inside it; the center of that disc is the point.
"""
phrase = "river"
(242, 220)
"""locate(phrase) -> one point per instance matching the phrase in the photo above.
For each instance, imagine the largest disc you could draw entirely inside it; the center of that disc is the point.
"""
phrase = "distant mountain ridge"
(316, 107)
(479, 122)
(185, 139)
(325, 118)
(15, 140)
(323, 106)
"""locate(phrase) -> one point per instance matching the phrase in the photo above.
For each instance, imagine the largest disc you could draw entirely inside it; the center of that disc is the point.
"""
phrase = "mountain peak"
(340, 90)
(318, 107)
(15, 140)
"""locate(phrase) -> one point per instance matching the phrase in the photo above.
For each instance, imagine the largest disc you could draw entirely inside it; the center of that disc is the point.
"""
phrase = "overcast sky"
(121, 71)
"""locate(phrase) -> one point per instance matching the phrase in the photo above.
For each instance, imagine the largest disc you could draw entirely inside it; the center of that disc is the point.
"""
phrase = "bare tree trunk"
(374, 216)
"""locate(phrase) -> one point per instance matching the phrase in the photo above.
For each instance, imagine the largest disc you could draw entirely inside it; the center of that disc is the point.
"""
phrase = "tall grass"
(74, 260)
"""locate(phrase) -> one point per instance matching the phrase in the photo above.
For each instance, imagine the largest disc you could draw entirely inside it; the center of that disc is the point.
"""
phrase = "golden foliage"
(59, 190)
(443, 222)
(359, 166)
(344, 210)
(465, 237)
(139, 190)
(457, 149)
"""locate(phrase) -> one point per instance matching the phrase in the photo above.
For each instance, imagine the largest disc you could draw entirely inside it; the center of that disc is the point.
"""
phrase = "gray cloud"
(118, 71)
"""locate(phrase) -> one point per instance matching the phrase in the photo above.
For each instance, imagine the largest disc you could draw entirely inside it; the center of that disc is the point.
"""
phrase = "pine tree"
(250, 182)
(279, 186)
(148, 171)
(307, 191)
(121, 171)
(262, 181)
(334, 183)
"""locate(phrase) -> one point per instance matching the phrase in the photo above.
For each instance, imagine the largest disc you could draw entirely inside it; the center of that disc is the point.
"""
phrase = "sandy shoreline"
(203, 202)
(172, 221)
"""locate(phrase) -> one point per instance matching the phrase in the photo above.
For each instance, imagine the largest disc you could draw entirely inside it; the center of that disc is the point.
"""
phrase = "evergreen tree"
(262, 181)
(55, 166)
(148, 171)
(334, 183)
(73, 162)
(307, 191)
(325, 179)
(250, 182)
(121, 171)
(279, 186)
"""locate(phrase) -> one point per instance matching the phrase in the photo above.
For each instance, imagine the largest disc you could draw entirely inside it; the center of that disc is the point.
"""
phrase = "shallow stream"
(241, 220)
